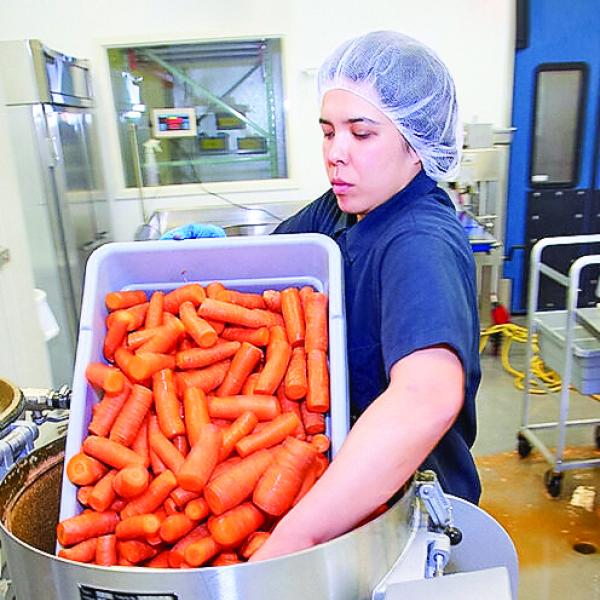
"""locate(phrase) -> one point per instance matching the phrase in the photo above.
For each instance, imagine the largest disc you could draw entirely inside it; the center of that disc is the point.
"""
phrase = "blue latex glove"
(193, 231)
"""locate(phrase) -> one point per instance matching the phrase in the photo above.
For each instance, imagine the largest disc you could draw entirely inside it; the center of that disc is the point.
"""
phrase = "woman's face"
(366, 157)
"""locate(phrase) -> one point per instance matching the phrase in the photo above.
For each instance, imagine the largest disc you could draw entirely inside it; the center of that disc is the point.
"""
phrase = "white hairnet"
(409, 83)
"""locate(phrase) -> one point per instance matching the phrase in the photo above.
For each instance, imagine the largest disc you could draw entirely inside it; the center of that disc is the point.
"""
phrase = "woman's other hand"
(193, 231)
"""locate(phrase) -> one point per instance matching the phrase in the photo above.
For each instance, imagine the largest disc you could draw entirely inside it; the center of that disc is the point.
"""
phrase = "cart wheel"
(597, 436)
(553, 482)
(523, 446)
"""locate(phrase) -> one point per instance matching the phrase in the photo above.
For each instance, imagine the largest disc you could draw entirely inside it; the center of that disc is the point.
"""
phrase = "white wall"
(474, 37)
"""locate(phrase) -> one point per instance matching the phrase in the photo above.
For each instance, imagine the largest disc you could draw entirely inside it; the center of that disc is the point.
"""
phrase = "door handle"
(4, 255)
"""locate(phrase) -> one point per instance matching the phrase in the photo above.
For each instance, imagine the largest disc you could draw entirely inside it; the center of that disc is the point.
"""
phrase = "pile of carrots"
(210, 427)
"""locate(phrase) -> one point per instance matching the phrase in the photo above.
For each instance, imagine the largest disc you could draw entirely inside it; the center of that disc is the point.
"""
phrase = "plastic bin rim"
(247, 241)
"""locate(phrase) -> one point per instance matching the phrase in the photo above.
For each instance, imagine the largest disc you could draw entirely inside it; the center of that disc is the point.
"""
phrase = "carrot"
(118, 505)
(176, 556)
(143, 365)
(293, 316)
(201, 551)
(160, 561)
(317, 395)
(307, 482)
(213, 289)
(139, 337)
(305, 292)
(135, 551)
(233, 526)
(279, 485)
(295, 381)
(134, 316)
(126, 299)
(197, 509)
(195, 411)
(166, 404)
(320, 442)
(253, 543)
(111, 453)
(250, 384)
(174, 527)
(256, 337)
(170, 507)
(196, 327)
(272, 299)
(233, 313)
(156, 493)
(237, 483)
(276, 332)
(278, 357)
(313, 422)
(268, 317)
(164, 338)
(86, 525)
(154, 316)
(226, 559)
(116, 333)
(132, 415)
(164, 449)
(231, 407)
(106, 550)
(107, 410)
(157, 465)
(242, 364)
(322, 463)
(140, 444)
(271, 434)
(224, 466)
(84, 470)
(192, 292)
(83, 494)
(103, 493)
(196, 358)
(201, 460)
(181, 443)
(206, 379)
(182, 497)
(109, 379)
(84, 552)
(131, 481)
(240, 428)
(316, 337)
(288, 405)
(247, 299)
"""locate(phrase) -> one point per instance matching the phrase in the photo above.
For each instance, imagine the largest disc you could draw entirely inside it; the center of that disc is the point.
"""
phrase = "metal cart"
(569, 343)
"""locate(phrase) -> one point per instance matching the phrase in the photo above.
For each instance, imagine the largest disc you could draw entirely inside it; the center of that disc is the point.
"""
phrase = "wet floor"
(557, 539)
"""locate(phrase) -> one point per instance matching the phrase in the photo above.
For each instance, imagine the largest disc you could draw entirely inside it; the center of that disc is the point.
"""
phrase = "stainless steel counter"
(237, 220)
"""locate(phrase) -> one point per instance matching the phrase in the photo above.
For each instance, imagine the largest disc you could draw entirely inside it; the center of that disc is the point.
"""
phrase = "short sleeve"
(426, 286)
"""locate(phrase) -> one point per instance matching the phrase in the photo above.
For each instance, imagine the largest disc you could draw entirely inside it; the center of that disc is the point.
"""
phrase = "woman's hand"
(193, 231)
(281, 542)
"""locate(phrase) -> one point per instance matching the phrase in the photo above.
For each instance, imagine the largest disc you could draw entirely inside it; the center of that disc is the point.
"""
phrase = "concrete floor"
(545, 530)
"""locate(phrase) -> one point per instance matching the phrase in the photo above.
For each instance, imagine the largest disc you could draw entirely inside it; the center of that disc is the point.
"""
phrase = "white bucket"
(47, 319)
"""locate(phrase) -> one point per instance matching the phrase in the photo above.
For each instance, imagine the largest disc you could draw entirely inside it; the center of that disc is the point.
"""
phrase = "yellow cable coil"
(515, 333)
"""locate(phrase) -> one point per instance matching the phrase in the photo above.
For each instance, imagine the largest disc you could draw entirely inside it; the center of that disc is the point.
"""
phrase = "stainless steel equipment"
(253, 219)
(49, 109)
(389, 554)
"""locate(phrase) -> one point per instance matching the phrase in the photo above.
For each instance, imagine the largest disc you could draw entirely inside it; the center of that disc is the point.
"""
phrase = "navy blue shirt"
(409, 284)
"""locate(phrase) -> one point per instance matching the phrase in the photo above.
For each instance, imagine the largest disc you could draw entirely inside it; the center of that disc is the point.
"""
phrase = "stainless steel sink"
(254, 220)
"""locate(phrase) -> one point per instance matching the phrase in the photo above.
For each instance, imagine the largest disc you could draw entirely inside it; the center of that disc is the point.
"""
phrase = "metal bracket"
(4, 255)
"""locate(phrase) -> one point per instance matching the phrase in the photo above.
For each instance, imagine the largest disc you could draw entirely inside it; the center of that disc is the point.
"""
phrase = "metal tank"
(346, 568)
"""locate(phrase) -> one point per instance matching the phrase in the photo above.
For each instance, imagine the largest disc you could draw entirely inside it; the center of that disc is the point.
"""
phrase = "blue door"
(554, 168)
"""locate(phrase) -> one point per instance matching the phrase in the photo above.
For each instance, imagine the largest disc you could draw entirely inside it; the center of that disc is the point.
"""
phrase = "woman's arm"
(383, 449)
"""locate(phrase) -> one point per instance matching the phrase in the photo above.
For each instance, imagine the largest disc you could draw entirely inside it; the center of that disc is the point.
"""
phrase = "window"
(557, 124)
(199, 112)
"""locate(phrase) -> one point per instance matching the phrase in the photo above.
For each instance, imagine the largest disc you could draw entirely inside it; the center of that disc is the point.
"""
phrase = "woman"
(390, 131)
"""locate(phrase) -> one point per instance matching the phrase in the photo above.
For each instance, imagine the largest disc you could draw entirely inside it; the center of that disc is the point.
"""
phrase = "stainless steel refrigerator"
(52, 127)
